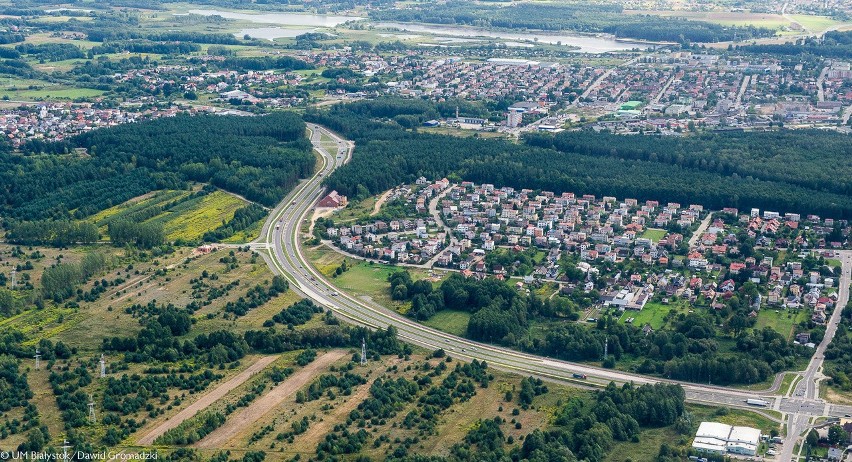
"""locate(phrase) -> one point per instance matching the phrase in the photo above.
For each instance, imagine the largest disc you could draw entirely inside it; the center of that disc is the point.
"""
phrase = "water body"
(583, 43)
(282, 19)
(579, 43)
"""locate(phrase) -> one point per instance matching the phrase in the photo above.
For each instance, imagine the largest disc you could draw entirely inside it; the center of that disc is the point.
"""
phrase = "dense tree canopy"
(260, 158)
(781, 171)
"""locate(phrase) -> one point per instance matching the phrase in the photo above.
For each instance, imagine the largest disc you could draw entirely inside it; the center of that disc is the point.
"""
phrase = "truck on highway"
(757, 402)
(577, 375)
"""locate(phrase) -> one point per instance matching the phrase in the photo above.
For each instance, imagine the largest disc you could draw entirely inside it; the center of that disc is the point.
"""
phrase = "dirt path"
(257, 409)
(207, 399)
(700, 231)
(316, 432)
(378, 205)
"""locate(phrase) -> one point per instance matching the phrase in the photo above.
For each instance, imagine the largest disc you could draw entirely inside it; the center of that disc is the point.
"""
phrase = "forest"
(770, 170)
(260, 158)
(606, 18)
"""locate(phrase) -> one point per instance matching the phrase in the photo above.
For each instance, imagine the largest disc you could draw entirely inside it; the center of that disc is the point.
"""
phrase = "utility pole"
(363, 352)
(606, 347)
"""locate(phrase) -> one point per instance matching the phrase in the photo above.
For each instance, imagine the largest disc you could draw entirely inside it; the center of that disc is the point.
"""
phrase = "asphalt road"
(280, 247)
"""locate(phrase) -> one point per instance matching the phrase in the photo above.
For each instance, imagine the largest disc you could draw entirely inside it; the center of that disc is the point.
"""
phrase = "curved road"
(280, 247)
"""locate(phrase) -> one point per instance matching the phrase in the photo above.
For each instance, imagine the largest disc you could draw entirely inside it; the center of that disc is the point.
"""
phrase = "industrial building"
(719, 438)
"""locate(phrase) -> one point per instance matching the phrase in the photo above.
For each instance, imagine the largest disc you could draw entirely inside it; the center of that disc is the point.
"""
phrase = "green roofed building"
(631, 105)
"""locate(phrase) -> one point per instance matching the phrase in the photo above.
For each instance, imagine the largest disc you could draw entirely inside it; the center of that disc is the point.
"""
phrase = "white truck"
(757, 402)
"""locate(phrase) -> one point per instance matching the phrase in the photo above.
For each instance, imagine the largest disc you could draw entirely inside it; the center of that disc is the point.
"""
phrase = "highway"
(280, 247)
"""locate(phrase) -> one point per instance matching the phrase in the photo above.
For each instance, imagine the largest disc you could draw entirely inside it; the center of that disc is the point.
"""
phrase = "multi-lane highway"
(280, 247)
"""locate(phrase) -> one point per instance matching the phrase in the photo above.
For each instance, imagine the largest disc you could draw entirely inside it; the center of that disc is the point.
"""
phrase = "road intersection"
(280, 246)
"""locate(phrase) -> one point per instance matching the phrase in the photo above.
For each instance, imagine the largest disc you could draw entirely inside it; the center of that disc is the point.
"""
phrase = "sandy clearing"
(207, 399)
(378, 205)
(285, 390)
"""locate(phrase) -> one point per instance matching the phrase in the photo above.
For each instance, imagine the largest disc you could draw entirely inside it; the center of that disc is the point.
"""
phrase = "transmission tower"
(606, 347)
(91, 409)
(363, 352)
(65, 448)
(13, 279)
(103, 366)
(37, 358)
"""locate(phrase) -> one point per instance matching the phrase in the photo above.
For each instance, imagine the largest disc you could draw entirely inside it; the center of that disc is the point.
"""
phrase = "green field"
(782, 321)
(654, 234)
(450, 321)
(816, 24)
(653, 314)
(53, 93)
(191, 219)
(371, 281)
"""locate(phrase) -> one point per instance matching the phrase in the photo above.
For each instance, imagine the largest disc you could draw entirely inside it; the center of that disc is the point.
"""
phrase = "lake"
(579, 43)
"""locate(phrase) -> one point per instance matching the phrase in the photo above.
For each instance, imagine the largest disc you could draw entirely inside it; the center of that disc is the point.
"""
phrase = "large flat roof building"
(719, 438)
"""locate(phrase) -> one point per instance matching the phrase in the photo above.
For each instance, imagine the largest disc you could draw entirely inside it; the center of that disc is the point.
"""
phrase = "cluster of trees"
(60, 281)
(261, 158)
(838, 355)
(145, 46)
(14, 389)
(344, 382)
(691, 352)
(58, 233)
(192, 430)
(607, 18)
(383, 342)
(139, 234)
(296, 314)
(765, 170)
(160, 340)
(51, 51)
(288, 63)
(257, 296)
(243, 218)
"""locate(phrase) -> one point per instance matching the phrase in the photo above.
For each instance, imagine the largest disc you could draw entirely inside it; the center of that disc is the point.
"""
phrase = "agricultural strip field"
(207, 400)
(245, 418)
(184, 214)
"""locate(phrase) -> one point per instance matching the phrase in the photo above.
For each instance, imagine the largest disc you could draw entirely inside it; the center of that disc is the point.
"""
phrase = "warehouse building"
(718, 438)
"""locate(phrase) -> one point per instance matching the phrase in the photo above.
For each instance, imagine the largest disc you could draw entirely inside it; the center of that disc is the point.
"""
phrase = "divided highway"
(280, 247)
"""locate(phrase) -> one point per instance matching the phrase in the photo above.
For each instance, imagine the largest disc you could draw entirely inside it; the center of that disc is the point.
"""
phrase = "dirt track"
(207, 400)
(242, 420)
